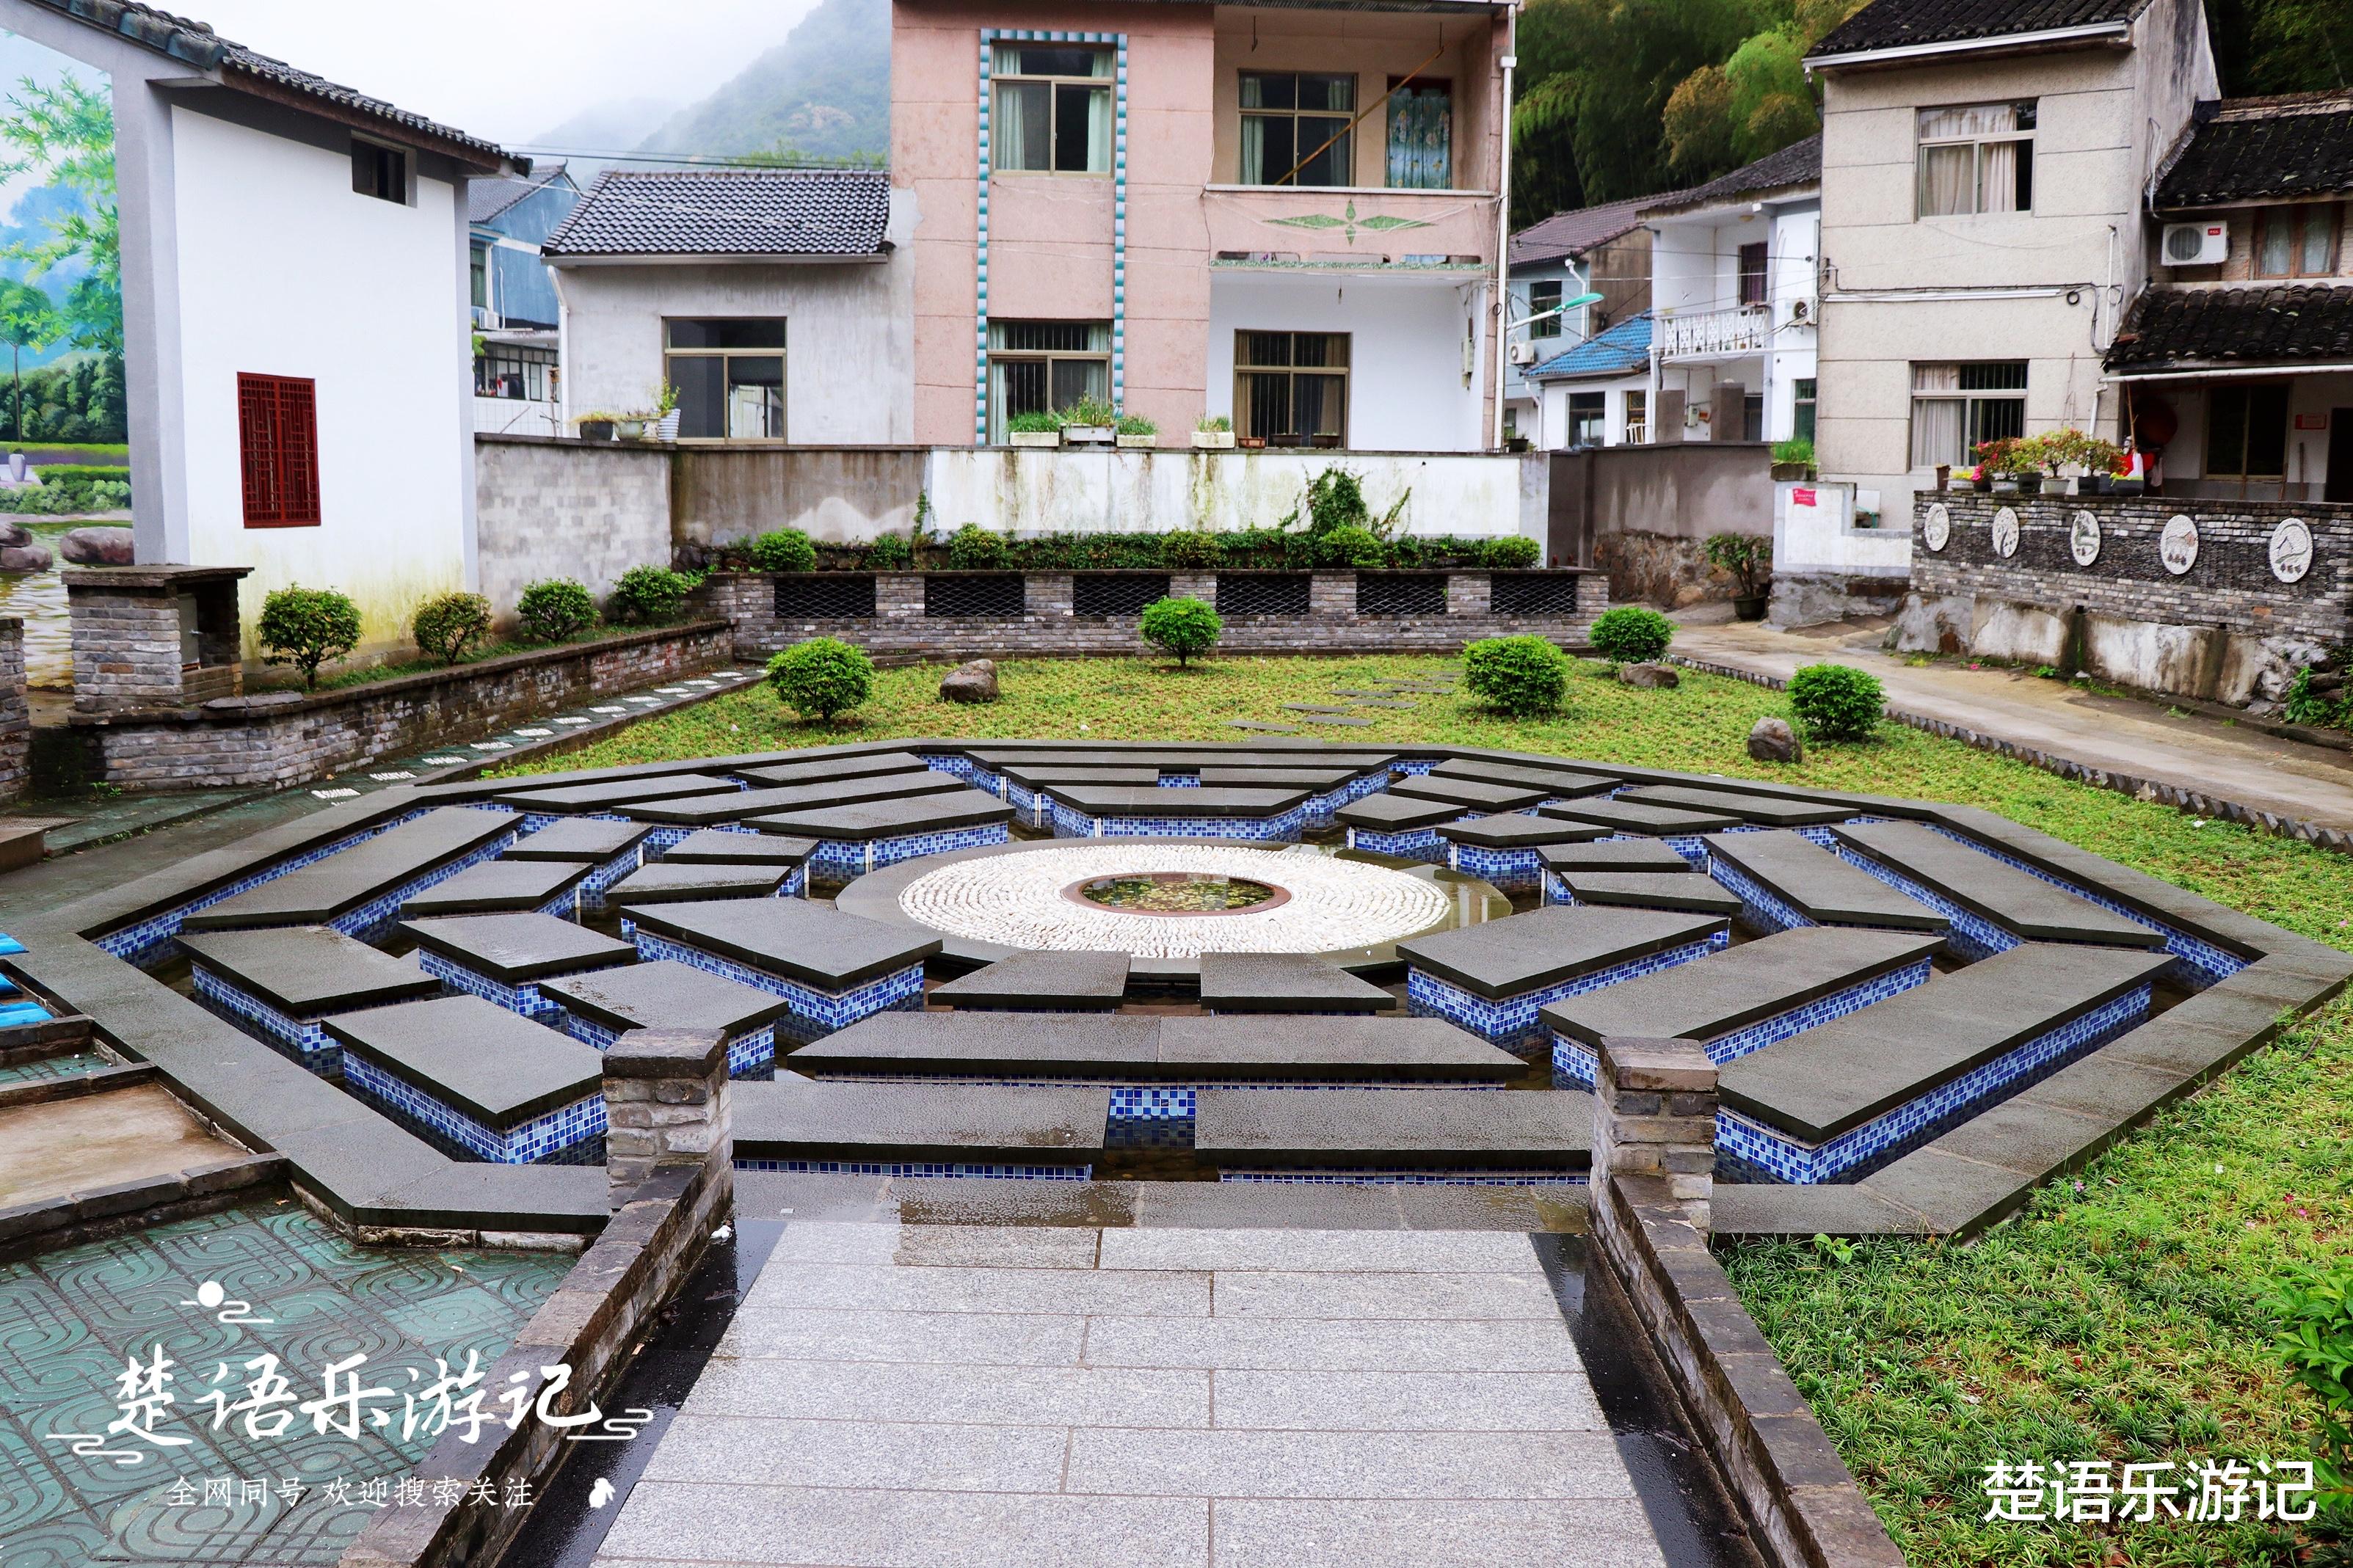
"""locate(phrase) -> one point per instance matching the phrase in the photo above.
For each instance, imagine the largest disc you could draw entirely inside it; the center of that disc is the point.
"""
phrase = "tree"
(65, 133)
(28, 320)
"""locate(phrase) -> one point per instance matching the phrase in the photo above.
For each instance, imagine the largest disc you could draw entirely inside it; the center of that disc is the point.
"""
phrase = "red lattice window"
(278, 449)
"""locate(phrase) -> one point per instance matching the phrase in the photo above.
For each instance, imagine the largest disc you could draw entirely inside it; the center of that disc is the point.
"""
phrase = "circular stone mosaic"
(1019, 900)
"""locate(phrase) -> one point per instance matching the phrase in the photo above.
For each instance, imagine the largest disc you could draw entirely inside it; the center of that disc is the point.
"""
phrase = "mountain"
(825, 92)
(614, 127)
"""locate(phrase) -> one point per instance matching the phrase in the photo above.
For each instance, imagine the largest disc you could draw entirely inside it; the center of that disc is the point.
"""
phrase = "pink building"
(1289, 215)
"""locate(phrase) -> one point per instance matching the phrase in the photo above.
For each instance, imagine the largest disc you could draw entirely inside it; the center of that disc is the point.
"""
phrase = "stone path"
(974, 1397)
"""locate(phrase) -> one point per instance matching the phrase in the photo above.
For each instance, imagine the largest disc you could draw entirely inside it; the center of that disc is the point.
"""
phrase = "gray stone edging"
(91, 1214)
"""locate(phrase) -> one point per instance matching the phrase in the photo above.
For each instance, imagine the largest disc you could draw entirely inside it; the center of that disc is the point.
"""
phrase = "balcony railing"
(1716, 334)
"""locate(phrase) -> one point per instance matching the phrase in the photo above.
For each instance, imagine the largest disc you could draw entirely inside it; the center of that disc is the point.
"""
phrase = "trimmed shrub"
(1513, 553)
(555, 609)
(783, 549)
(1186, 627)
(890, 554)
(647, 596)
(1191, 551)
(1351, 546)
(447, 625)
(1631, 635)
(975, 548)
(1836, 701)
(307, 627)
(821, 678)
(1523, 676)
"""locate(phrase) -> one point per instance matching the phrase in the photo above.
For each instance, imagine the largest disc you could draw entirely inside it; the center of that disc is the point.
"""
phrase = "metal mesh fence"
(994, 594)
(826, 596)
(1116, 593)
(1533, 593)
(1263, 593)
(1400, 593)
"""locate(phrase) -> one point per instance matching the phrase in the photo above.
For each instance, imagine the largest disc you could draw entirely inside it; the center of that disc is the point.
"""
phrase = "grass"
(2117, 1318)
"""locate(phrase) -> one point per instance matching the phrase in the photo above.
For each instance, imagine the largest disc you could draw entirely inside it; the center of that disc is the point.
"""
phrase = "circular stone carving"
(2005, 532)
(1936, 527)
(2177, 546)
(2291, 550)
(1017, 900)
(2084, 538)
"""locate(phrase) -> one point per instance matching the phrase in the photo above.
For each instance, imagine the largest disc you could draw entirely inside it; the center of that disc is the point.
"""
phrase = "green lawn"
(2114, 1319)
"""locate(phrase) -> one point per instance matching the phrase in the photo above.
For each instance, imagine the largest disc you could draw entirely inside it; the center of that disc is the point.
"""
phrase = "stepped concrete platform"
(667, 881)
(468, 1073)
(598, 1007)
(795, 1125)
(471, 951)
(1286, 983)
(1645, 890)
(1992, 905)
(832, 969)
(1116, 811)
(606, 794)
(1040, 983)
(1386, 1134)
(1503, 848)
(1612, 855)
(1680, 827)
(1558, 783)
(1405, 827)
(1847, 1094)
(865, 835)
(740, 806)
(1744, 998)
(504, 886)
(1470, 795)
(830, 770)
(283, 982)
(359, 890)
(593, 839)
(1765, 810)
(1024, 785)
(1786, 879)
(735, 847)
(1492, 978)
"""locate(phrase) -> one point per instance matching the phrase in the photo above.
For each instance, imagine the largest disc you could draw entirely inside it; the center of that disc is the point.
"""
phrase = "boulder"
(974, 681)
(24, 558)
(1650, 677)
(98, 547)
(1944, 624)
(15, 534)
(1772, 740)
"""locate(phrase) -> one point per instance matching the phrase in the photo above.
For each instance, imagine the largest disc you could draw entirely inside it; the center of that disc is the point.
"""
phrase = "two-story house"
(2236, 368)
(1602, 250)
(513, 295)
(1289, 215)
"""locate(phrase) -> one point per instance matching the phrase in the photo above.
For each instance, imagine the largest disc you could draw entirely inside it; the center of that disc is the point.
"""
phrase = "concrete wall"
(1640, 512)
(587, 510)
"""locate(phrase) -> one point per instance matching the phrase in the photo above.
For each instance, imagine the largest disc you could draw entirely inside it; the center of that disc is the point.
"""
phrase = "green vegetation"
(446, 625)
(1522, 676)
(2317, 698)
(1135, 424)
(648, 595)
(1511, 553)
(821, 678)
(1189, 552)
(783, 549)
(1836, 701)
(976, 549)
(1186, 627)
(1349, 545)
(306, 627)
(1631, 635)
(555, 610)
(822, 94)
(1037, 422)
(1095, 412)
(1745, 555)
(1214, 423)
(889, 552)
(2314, 1308)
(1797, 450)
(67, 499)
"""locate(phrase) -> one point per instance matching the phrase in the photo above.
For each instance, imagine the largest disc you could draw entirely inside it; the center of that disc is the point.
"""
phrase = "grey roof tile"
(1900, 23)
(2264, 148)
(733, 212)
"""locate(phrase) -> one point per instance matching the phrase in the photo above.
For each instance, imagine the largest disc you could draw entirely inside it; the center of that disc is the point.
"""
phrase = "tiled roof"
(1798, 164)
(486, 199)
(199, 45)
(1623, 348)
(733, 212)
(2256, 148)
(1901, 24)
(1568, 234)
(2280, 325)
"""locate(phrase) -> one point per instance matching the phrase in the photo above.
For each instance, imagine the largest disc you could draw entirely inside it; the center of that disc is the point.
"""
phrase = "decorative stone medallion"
(1936, 527)
(2084, 538)
(2005, 532)
(2291, 550)
(2177, 546)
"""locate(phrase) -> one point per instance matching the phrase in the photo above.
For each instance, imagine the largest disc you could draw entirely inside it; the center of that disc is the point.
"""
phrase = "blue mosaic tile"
(1515, 870)
(904, 1168)
(746, 1053)
(591, 892)
(1418, 843)
(1512, 1020)
(1409, 1178)
(1762, 911)
(1282, 829)
(842, 859)
(1572, 1059)
(1972, 935)
(373, 921)
(901, 990)
(302, 1038)
(524, 998)
(520, 1146)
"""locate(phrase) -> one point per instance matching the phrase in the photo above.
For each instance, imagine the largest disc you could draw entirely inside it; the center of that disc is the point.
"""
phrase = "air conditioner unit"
(1522, 354)
(2197, 243)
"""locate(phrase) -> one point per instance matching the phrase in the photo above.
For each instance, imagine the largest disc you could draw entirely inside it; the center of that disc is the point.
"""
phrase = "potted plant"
(1746, 556)
(1215, 432)
(1793, 460)
(1089, 422)
(598, 425)
(1250, 443)
(1041, 428)
(1135, 430)
(666, 413)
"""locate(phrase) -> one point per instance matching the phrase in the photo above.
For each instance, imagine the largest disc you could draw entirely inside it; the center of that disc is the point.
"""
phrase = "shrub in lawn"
(821, 678)
(2313, 1308)
(783, 549)
(1348, 545)
(1513, 553)
(447, 625)
(1186, 627)
(975, 548)
(1631, 635)
(555, 609)
(307, 627)
(1522, 676)
(1836, 702)
(890, 554)
(648, 595)
(1190, 551)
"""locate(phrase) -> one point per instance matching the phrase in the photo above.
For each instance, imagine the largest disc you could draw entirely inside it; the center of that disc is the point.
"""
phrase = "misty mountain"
(614, 127)
(825, 91)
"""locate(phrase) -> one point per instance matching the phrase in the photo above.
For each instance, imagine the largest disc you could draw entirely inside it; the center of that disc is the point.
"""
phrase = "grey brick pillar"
(1654, 1115)
(665, 1109)
(1592, 594)
(16, 714)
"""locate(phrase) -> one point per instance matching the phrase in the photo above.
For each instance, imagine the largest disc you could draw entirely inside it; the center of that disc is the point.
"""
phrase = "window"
(1588, 418)
(1979, 159)
(1295, 129)
(1037, 367)
(1752, 273)
(1292, 386)
(1801, 409)
(1956, 406)
(481, 274)
(1051, 111)
(2297, 242)
(380, 172)
(1543, 297)
(520, 371)
(278, 449)
(1638, 417)
(730, 378)
(1422, 135)
(2246, 432)
(1752, 416)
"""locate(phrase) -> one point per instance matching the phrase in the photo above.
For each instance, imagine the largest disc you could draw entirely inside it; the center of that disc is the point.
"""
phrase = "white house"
(1601, 250)
(1597, 393)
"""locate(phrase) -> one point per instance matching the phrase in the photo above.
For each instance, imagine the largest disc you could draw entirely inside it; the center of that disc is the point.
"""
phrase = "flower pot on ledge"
(1749, 606)
(1132, 443)
(1214, 440)
(1087, 434)
(1035, 437)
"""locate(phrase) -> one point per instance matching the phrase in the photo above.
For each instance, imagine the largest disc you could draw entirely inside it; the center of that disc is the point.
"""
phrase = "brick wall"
(584, 510)
(15, 716)
(126, 648)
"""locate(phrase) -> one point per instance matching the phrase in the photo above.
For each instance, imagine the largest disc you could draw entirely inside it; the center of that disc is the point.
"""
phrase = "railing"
(1712, 334)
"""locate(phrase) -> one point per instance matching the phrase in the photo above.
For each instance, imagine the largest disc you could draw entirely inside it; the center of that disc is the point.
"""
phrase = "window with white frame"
(1956, 407)
(1050, 112)
(728, 376)
(1589, 418)
(1638, 417)
(1542, 297)
(1036, 367)
(1295, 129)
(1976, 158)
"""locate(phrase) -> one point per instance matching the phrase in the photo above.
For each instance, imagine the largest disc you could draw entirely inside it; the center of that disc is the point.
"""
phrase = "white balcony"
(1716, 334)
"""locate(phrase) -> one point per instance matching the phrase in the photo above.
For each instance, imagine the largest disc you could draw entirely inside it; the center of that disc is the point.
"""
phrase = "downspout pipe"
(1503, 233)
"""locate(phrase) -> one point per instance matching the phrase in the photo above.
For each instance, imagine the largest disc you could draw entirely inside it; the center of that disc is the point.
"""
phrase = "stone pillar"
(1331, 594)
(665, 1109)
(1654, 1115)
(153, 637)
(1469, 592)
(15, 713)
(1201, 585)
(1592, 594)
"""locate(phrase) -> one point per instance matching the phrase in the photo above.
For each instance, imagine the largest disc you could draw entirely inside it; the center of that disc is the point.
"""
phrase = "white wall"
(1613, 407)
(1406, 392)
(1814, 532)
(284, 270)
(517, 417)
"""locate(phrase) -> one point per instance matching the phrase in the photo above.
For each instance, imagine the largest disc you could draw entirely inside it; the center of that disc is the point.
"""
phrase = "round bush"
(1186, 627)
(1513, 553)
(555, 609)
(447, 625)
(1836, 701)
(1631, 635)
(821, 678)
(975, 548)
(648, 595)
(1348, 545)
(783, 549)
(890, 554)
(1522, 676)
(307, 627)
(1190, 551)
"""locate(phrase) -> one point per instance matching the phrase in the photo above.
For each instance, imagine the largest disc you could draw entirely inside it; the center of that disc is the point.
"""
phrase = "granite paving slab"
(1320, 779)
(1522, 952)
(340, 883)
(1652, 890)
(496, 1067)
(1262, 726)
(667, 881)
(1519, 830)
(1335, 1050)
(302, 970)
(666, 994)
(965, 807)
(1036, 777)
(1064, 982)
(1567, 783)
(793, 938)
(1742, 985)
(1470, 795)
(595, 839)
(703, 811)
(513, 948)
(725, 846)
(1390, 813)
(1344, 723)
(1384, 1128)
(1286, 983)
(2018, 902)
(606, 794)
(833, 770)
(1633, 816)
(964, 1123)
(1114, 800)
(982, 1044)
(1612, 855)
(1769, 810)
(499, 886)
(1380, 702)
(1818, 884)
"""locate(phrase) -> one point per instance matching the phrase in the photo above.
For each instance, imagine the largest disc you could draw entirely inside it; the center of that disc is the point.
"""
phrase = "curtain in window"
(1937, 431)
(1018, 128)
(1998, 177)
(1421, 132)
(1099, 130)
(1968, 178)
(1947, 181)
(2319, 236)
(1254, 169)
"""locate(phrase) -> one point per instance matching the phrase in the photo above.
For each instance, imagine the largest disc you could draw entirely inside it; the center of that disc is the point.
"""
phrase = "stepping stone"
(1262, 726)
(1335, 719)
(837, 770)
(504, 887)
(1560, 783)
(1992, 905)
(597, 1008)
(864, 835)
(474, 1075)
(1377, 703)
(1490, 978)
(1743, 999)
(1786, 879)
(1394, 1129)
(359, 890)
(919, 1129)
(832, 968)
(1358, 691)
(1025, 785)
(502, 958)
(591, 839)
(1286, 983)
(1503, 848)
(1645, 890)
(1322, 781)
(1633, 816)
(990, 1044)
(1469, 795)
(607, 793)
(1113, 811)
(1858, 1089)
(282, 983)
(1613, 855)
(667, 881)
(736, 806)
(1405, 827)
(1766, 810)
(1336, 1050)
(730, 847)
(1311, 707)
(1040, 982)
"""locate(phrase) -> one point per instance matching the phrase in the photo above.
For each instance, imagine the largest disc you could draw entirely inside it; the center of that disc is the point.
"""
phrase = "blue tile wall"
(537, 1138)
(592, 891)
(1762, 911)
(905, 1168)
(1282, 829)
(375, 920)
(1515, 870)
(822, 1011)
(1572, 1059)
(302, 1038)
(1512, 1020)
(1408, 1178)
(1972, 935)
(1420, 844)
(524, 998)
(746, 1053)
(841, 858)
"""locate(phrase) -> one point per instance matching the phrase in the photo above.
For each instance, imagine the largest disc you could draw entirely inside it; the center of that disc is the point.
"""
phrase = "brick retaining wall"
(15, 715)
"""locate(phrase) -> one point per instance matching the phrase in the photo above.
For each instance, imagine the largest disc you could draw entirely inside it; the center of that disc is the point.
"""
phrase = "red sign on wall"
(1802, 495)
